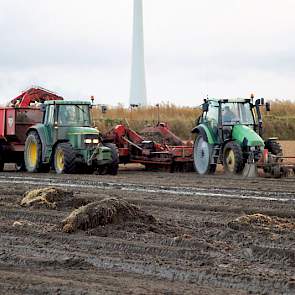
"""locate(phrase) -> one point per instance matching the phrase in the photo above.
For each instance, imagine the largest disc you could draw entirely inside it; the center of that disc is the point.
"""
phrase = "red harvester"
(15, 119)
(158, 148)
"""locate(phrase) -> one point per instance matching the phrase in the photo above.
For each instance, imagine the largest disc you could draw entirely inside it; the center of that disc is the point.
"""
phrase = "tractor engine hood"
(242, 132)
(82, 131)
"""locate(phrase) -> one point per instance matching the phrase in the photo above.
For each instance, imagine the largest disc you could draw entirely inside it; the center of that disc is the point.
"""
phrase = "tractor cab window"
(237, 113)
(50, 115)
(74, 115)
(212, 115)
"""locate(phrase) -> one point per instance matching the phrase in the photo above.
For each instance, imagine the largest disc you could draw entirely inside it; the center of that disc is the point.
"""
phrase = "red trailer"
(15, 119)
(154, 150)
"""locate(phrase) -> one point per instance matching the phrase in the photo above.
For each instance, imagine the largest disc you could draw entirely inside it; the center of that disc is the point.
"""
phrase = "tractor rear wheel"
(202, 156)
(233, 160)
(1, 166)
(33, 153)
(65, 159)
(113, 168)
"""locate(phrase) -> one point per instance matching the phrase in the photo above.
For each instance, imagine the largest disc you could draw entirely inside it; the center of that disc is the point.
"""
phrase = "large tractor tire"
(1, 165)
(233, 160)
(112, 169)
(274, 147)
(202, 156)
(33, 153)
(65, 159)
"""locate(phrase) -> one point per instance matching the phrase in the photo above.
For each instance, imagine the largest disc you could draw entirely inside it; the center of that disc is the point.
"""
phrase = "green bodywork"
(51, 132)
(240, 132)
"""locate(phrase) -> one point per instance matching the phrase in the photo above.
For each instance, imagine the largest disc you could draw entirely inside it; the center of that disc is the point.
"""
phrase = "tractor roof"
(231, 100)
(68, 102)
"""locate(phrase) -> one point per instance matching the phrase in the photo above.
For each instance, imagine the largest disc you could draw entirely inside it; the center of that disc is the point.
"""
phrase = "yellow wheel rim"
(230, 161)
(32, 154)
(59, 160)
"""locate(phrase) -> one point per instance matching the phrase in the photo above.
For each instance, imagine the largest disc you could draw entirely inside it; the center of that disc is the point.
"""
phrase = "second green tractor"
(229, 132)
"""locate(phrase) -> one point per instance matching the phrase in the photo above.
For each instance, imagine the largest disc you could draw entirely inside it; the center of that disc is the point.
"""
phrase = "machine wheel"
(274, 147)
(233, 160)
(202, 156)
(65, 159)
(1, 166)
(33, 153)
(113, 168)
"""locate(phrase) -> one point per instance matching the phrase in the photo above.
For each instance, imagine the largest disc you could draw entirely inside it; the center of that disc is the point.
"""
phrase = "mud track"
(196, 246)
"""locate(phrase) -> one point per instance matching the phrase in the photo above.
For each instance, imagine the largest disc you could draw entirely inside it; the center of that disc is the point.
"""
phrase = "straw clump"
(47, 197)
(261, 220)
(106, 211)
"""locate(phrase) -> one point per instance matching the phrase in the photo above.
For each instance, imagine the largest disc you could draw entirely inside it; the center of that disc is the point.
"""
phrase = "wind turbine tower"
(138, 88)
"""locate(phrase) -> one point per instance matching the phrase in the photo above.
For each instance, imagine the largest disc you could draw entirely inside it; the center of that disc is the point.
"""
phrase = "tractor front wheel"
(202, 156)
(233, 161)
(65, 159)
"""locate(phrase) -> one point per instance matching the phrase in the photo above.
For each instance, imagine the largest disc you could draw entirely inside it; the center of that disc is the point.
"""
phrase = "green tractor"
(229, 132)
(66, 142)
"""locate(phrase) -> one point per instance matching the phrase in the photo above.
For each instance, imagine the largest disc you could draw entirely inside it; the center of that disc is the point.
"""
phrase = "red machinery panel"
(2, 122)
(10, 122)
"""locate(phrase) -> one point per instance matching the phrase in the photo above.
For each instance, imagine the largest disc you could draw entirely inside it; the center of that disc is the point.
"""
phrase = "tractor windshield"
(74, 115)
(237, 113)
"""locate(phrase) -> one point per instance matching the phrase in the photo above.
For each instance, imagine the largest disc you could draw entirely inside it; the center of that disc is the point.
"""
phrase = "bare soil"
(209, 235)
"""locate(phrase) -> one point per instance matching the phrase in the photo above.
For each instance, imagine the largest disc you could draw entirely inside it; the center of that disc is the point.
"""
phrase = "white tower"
(138, 88)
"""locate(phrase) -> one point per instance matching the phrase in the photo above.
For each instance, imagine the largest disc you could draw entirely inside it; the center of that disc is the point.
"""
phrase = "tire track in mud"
(212, 254)
(215, 275)
(187, 191)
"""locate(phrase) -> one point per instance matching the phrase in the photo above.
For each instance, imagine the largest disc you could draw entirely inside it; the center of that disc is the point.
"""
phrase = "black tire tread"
(70, 157)
(274, 147)
(239, 159)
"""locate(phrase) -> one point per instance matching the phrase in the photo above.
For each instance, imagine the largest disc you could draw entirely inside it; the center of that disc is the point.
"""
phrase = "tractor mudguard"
(204, 130)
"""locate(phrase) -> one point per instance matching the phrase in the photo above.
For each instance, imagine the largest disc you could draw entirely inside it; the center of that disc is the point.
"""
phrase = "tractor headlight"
(95, 141)
(88, 140)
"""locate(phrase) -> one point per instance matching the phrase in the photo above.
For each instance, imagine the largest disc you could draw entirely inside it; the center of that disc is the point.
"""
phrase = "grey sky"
(193, 48)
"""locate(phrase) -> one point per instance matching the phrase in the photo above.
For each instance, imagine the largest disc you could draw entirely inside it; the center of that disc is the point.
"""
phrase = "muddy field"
(207, 236)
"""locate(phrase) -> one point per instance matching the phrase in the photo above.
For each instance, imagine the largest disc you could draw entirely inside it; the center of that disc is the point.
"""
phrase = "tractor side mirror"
(205, 107)
(267, 106)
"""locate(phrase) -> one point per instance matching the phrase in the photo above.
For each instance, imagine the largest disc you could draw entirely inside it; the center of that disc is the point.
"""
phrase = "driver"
(228, 115)
(67, 115)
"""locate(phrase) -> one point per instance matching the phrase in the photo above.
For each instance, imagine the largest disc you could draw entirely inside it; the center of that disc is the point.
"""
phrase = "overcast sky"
(193, 48)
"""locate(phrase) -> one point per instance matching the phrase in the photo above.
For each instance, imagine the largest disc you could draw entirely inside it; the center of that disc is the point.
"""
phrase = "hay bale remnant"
(263, 221)
(106, 211)
(49, 197)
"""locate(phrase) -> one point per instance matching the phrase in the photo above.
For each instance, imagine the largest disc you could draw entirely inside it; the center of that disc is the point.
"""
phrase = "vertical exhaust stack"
(138, 88)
